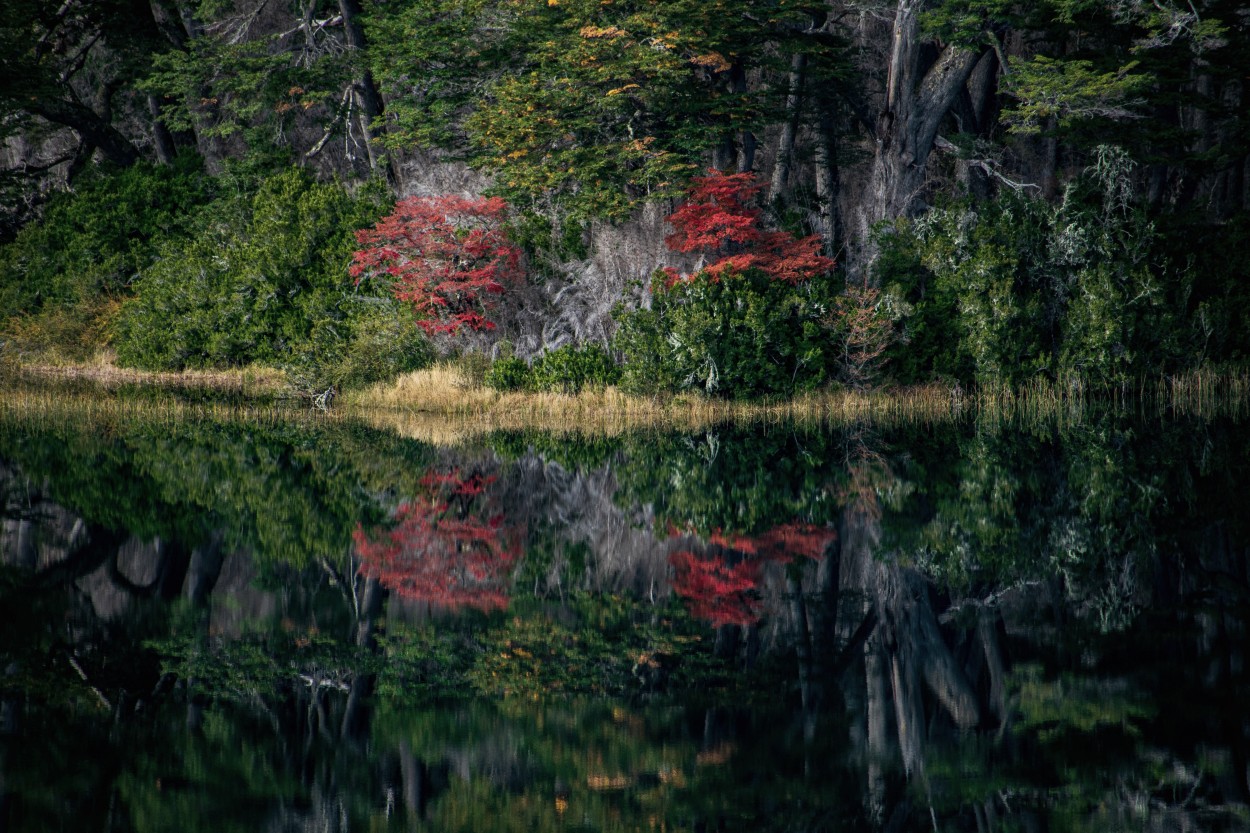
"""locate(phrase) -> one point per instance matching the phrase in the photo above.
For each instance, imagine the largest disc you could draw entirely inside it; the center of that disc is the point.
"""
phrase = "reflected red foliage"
(781, 543)
(447, 547)
(722, 586)
(448, 256)
(720, 219)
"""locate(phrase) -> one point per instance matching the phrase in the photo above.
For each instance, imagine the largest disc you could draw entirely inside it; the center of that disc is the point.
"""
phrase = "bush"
(508, 374)
(568, 369)
(264, 279)
(739, 335)
(59, 273)
(378, 340)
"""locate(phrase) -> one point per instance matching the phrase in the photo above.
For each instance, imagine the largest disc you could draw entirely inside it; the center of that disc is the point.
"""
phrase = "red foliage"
(447, 256)
(721, 587)
(715, 590)
(720, 219)
(446, 547)
(781, 543)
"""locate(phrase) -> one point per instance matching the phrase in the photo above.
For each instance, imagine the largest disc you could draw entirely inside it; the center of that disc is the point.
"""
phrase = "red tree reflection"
(448, 547)
(721, 586)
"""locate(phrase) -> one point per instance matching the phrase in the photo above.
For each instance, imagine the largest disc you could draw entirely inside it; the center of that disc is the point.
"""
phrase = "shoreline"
(422, 403)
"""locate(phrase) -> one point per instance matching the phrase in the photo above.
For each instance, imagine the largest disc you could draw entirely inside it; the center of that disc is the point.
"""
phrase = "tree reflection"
(450, 547)
(721, 585)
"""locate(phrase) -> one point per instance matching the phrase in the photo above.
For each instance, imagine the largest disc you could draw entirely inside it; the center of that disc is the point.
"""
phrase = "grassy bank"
(447, 402)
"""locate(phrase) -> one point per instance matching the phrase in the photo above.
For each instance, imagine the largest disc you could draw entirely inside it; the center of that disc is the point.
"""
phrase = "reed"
(248, 382)
(53, 406)
(418, 404)
(1205, 393)
(447, 404)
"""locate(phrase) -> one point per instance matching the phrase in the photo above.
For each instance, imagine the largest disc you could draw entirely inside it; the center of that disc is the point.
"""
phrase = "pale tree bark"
(366, 90)
(784, 158)
(827, 184)
(915, 102)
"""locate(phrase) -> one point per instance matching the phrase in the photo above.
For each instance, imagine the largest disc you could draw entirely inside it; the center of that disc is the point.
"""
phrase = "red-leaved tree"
(448, 256)
(721, 586)
(718, 589)
(720, 220)
(448, 546)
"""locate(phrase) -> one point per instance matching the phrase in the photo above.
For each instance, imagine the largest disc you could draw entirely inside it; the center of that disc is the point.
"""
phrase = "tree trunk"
(93, 130)
(366, 89)
(916, 101)
(827, 185)
(789, 129)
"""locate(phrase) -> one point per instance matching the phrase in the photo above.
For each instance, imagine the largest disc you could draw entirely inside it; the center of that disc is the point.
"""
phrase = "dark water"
(314, 625)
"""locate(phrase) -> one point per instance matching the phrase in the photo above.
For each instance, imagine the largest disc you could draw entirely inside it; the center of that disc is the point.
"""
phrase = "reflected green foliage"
(289, 493)
(738, 481)
(1058, 709)
(1090, 507)
(592, 644)
(295, 703)
(596, 765)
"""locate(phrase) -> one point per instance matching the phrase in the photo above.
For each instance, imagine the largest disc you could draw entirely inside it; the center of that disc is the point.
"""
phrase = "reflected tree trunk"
(355, 715)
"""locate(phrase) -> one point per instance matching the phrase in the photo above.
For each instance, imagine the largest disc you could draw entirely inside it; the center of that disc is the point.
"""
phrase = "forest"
(749, 199)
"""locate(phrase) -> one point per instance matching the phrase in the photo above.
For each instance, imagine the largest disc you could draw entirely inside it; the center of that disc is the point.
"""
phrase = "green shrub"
(568, 369)
(508, 374)
(264, 279)
(378, 340)
(90, 244)
(740, 335)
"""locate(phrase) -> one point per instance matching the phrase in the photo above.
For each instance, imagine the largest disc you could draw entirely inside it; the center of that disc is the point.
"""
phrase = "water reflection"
(234, 626)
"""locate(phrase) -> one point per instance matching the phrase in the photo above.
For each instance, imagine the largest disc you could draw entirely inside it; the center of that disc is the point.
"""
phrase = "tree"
(753, 321)
(719, 221)
(448, 256)
(449, 547)
(721, 585)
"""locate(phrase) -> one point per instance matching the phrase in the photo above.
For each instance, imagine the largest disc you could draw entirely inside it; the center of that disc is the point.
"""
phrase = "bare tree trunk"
(789, 129)
(90, 127)
(827, 183)
(915, 104)
(366, 90)
(162, 139)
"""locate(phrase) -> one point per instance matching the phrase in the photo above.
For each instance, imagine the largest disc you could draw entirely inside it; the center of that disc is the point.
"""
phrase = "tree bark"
(91, 128)
(366, 90)
(789, 129)
(915, 103)
(827, 184)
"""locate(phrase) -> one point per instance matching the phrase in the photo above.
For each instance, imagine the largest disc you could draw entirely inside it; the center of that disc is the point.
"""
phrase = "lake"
(286, 621)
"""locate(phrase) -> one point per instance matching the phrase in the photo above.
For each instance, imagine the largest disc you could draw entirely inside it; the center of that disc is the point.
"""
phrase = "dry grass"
(53, 406)
(102, 373)
(444, 402)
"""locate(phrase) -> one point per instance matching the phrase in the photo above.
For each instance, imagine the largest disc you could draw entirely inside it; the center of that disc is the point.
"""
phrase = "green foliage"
(1064, 93)
(62, 273)
(377, 339)
(568, 369)
(508, 373)
(593, 106)
(228, 81)
(265, 280)
(288, 494)
(1016, 288)
(740, 335)
(1071, 705)
(734, 482)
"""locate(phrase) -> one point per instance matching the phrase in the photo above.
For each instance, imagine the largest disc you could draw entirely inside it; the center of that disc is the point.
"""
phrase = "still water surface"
(316, 625)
